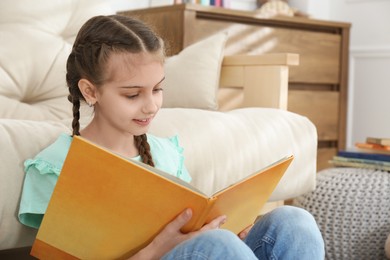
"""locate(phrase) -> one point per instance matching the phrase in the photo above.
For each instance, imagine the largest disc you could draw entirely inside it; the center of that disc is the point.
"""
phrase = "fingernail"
(222, 222)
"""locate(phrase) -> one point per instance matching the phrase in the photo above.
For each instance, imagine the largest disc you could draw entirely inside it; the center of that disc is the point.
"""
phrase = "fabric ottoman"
(352, 209)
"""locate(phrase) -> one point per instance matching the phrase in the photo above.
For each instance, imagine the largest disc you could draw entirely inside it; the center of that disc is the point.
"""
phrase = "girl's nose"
(150, 106)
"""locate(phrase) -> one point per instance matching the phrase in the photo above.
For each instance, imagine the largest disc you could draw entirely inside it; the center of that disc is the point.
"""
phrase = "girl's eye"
(131, 96)
(135, 95)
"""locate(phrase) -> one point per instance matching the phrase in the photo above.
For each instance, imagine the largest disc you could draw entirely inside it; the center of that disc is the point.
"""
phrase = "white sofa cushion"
(36, 39)
(20, 140)
(192, 76)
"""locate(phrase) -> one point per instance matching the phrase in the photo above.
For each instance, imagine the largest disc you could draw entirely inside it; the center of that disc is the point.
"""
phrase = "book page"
(154, 170)
(253, 174)
(167, 176)
(242, 202)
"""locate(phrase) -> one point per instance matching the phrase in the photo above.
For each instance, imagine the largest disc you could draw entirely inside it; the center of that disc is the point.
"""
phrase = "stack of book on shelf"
(204, 2)
(372, 154)
(248, 5)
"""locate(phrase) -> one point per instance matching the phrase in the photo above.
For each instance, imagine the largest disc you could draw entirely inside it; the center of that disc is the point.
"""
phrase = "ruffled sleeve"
(41, 177)
(168, 156)
(42, 166)
(182, 170)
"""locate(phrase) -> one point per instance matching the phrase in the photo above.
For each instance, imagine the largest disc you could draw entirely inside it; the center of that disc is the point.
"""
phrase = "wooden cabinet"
(317, 87)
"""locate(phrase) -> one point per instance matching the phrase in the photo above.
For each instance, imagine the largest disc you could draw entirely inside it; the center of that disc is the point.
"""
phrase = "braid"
(74, 94)
(76, 117)
(143, 147)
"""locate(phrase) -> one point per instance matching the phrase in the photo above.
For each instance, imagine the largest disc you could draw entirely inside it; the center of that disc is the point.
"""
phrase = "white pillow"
(192, 76)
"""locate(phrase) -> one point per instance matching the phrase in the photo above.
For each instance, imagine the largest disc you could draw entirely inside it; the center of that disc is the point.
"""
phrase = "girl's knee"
(291, 225)
(289, 219)
(291, 214)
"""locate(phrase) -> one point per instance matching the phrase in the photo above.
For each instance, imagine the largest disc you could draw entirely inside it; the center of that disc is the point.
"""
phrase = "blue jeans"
(285, 233)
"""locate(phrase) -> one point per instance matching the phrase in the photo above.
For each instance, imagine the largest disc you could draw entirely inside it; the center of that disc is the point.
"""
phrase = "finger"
(245, 232)
(180, 220)
(215, 223)
(248, 228)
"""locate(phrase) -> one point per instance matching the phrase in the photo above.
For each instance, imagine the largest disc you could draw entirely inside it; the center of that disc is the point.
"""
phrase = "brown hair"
(97, 39)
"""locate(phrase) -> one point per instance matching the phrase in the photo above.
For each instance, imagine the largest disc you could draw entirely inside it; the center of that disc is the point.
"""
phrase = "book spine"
(218, 3)
(375, 140)
(364, 161)
(359, 165)
(373, 148)
(201, 220)
(369, 156)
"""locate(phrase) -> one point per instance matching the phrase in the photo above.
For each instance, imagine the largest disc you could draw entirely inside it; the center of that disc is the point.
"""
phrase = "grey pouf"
(352, 209)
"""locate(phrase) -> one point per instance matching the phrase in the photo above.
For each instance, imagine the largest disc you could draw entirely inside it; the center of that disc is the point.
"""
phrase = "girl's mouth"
(143, 122)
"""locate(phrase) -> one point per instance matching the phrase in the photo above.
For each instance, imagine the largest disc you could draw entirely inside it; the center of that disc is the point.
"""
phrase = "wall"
(318, 9)
(369, 86)
(369, 73)
(119, 5)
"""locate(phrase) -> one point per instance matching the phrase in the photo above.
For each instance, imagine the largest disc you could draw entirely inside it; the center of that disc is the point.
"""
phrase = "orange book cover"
(107, 207)
(373, 148)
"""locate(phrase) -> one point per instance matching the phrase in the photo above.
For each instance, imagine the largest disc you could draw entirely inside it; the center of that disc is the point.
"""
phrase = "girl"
(116, 66)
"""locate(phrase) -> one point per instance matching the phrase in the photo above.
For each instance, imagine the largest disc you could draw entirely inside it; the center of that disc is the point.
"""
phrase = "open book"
(107, 207)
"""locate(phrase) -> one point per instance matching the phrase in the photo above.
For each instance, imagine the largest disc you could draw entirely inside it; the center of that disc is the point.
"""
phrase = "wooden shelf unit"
(317, 87)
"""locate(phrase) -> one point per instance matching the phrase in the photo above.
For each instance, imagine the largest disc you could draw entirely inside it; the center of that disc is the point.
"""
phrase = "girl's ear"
(88, 90)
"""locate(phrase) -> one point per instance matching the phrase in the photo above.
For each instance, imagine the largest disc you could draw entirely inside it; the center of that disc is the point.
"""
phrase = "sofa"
(229, 111)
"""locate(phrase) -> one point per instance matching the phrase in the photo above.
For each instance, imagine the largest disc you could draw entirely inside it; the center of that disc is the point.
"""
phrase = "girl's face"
(128, 101)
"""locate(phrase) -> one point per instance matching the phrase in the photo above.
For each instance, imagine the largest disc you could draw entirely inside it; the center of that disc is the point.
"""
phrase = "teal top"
(42, 173)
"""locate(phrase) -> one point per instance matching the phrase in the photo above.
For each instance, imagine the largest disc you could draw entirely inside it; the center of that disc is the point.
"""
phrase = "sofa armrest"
(255, 80)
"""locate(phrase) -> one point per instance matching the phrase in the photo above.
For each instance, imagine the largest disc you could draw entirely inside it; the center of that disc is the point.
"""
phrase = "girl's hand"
(171, 236)
(245, 232)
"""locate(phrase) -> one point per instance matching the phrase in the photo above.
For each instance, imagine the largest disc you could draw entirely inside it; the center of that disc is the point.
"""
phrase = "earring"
(89, 103)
